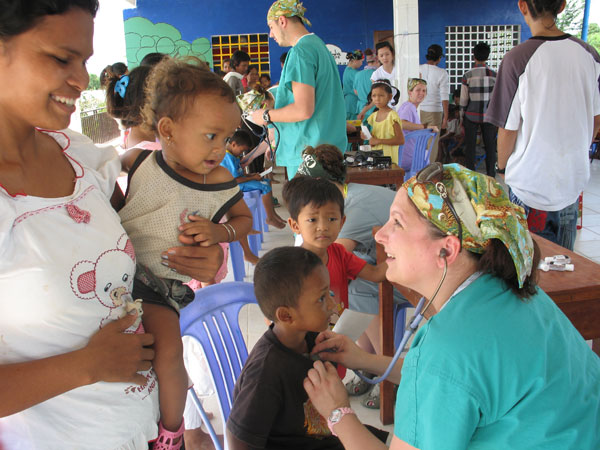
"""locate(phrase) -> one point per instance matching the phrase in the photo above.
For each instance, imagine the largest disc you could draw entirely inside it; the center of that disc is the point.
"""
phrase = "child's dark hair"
(279, 277)
(117, 69)
(538, 8)
(282, 57)
(174, 85)
(266, 76)
(152, 59)
(384, 44)
(17, 17)
(387, 87)
(252, 67)
(129, 107)
(481, 51)
(238, 57)
(242, 138)
(302, 191)
(452, 110)
(370, 56)
(434, 52)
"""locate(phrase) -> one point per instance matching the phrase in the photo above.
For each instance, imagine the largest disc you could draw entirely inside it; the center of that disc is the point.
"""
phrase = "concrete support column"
(406, 43)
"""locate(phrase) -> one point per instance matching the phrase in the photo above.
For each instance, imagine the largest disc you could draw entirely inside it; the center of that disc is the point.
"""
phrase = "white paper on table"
(353, 323)
(266, 172)
(366, 132)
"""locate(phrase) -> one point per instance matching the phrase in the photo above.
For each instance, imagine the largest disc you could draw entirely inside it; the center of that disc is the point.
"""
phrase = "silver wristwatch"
(266, 117)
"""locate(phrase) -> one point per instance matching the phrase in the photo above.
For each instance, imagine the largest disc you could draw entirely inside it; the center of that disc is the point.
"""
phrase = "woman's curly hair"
(330, 157)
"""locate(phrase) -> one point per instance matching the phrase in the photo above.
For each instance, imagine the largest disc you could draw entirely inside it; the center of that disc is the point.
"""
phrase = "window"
(256, 45)
(460, 41)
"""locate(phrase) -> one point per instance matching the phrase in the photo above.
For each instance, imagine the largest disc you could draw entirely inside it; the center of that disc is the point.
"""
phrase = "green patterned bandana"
(251, 101)
(484, 210)
(311, 167)
(287, 8)
(355, 55)
(412, 82)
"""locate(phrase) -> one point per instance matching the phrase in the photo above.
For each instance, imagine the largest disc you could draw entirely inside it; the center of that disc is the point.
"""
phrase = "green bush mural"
(143, 37)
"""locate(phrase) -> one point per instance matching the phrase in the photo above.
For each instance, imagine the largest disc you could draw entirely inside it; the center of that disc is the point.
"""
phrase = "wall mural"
(338, 55)
(143, 37)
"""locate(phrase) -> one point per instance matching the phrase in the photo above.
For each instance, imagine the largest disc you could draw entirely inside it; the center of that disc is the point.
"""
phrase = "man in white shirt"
(434, 109)
(239, 66)
(546, 103)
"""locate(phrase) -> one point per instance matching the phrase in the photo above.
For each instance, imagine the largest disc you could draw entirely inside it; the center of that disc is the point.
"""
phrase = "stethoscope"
(412, 327)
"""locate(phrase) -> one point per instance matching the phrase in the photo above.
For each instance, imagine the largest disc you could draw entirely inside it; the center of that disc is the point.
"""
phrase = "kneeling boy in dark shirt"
(270, 407)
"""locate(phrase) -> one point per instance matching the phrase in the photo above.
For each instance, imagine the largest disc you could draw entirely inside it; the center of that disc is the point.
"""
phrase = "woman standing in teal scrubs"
(355, 61)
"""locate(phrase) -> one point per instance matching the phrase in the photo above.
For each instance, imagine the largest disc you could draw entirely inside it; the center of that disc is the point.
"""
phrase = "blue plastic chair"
(213, 320)
(478, 160)
(594, 150)
(263, 217)
(254, 201)
(422, 143)
(236, 255)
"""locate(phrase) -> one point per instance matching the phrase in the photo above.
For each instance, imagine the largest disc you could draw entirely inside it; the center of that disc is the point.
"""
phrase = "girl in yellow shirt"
(386, 126)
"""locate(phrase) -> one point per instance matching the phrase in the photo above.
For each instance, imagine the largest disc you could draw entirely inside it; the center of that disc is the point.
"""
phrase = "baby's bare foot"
(277, 222)
(251, 258)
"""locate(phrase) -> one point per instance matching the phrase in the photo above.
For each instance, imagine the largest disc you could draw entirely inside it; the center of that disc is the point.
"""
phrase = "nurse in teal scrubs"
(355, 60)
(362, 85)
(497, 365)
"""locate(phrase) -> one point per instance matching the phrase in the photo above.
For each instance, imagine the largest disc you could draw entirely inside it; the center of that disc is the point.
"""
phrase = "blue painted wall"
(349, 24)
(435, 16)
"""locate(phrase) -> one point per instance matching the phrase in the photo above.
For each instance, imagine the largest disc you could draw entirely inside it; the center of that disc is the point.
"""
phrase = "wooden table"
(355, 140)
(364, 175)
(576, 293)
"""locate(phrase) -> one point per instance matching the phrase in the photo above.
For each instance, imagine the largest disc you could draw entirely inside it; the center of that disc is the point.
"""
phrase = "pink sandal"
(166, 439)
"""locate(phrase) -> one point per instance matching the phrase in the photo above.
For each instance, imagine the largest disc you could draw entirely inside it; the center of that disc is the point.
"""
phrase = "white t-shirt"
(381, 74)
(438, 89)
(234, 80)
(64, 264)
(547, 89)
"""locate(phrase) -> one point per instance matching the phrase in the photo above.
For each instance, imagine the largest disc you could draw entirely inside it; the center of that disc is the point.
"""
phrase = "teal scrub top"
(490, 371)
(310, 62)
(273, 91)
(350, 97)
(362, 84)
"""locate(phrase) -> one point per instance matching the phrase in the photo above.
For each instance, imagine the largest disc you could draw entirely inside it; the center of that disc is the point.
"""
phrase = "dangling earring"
(168, 141)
